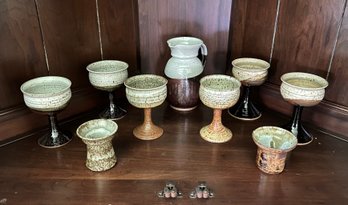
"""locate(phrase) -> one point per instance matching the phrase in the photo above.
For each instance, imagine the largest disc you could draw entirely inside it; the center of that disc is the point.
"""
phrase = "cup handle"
(204, 51)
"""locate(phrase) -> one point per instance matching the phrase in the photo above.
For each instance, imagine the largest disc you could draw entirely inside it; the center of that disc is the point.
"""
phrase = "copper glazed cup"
(274, 143)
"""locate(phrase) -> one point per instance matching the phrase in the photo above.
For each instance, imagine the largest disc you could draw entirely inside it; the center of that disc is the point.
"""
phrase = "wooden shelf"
(315, 174)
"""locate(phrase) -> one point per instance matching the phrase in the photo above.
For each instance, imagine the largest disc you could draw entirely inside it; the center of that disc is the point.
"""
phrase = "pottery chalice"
(218, 92)
(108, 75)
(146, 91)
(301, 90)
(250, 72)
(49, 95)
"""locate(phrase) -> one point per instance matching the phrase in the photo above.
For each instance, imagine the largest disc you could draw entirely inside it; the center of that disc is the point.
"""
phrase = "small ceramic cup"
(97, 135)
(274, 143)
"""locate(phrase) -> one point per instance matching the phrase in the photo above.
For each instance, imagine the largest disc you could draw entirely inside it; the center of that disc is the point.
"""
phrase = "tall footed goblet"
(49, 95)
(250, 72)
(108, 75)
(218, 92)
(301, 90)
(146, 91)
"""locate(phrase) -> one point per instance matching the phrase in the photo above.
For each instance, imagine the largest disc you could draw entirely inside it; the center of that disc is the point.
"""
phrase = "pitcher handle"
(204, 51)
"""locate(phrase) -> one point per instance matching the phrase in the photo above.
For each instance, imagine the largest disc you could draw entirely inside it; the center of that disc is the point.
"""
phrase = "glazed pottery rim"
(99, 138)
(237, 60)
(54, 79)
(113, 62)
(216, 76)
(170, 44)
(321, 81)
(165, 81)
(274, 149)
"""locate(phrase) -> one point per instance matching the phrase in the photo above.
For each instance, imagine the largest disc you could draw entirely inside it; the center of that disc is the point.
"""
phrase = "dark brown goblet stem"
(55, 137)
(295, 127)
(111, 104)
(245, 109)
(147, 130)
(113, 112)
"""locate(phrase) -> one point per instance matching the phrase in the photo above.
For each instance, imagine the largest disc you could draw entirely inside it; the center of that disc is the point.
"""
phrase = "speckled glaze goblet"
(301, 90)
(218, 92)
(49, 95)
(108, 75)
(274, 143)
(146, 91)
(250, 72)
(97, 135)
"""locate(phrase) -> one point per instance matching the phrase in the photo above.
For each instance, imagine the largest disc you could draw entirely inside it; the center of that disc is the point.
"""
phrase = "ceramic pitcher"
(183, 70)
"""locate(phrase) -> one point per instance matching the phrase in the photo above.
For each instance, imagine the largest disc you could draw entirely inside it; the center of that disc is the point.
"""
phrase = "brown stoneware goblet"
(49, 95)
(146, 91)
(218, 92)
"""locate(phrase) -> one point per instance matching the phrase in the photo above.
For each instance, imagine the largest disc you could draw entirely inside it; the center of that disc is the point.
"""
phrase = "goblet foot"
(216, 135)
(148, 132)
(303, 137)
(244, 111)
(116, 114)
(54, 139)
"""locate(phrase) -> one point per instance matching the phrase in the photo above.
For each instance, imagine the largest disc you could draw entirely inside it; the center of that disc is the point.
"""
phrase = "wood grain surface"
(306, 36)
(160, 20)
(21, 49)
(252, 28)
(315, 174)
(338, 75)
(71, 35)
(118, 31)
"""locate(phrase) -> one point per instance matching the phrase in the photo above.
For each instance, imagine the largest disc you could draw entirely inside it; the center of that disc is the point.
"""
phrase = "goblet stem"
(53, 125)
(245, 109)
(113, 112)
(216, 124)
(295, 126)
(148, 130)
(216, 132)
(112, 104)
(55, 137)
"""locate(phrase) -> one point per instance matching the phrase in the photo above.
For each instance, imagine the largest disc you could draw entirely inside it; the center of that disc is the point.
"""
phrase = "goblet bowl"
(250, 71)
(107, 75)
(303, 89)
(146, 91)
(219, 91)
(47, 94)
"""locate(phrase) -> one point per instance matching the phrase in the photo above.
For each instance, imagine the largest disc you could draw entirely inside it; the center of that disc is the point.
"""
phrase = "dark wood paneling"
(306, 36)
(338, 86)
(252, 28)
(118, 31)
(160, 20)
(21, 49)
(315, 174)
(71, 35)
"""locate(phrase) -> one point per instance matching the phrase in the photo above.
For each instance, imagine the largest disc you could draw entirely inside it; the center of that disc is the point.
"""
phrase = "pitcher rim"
(184, 37)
